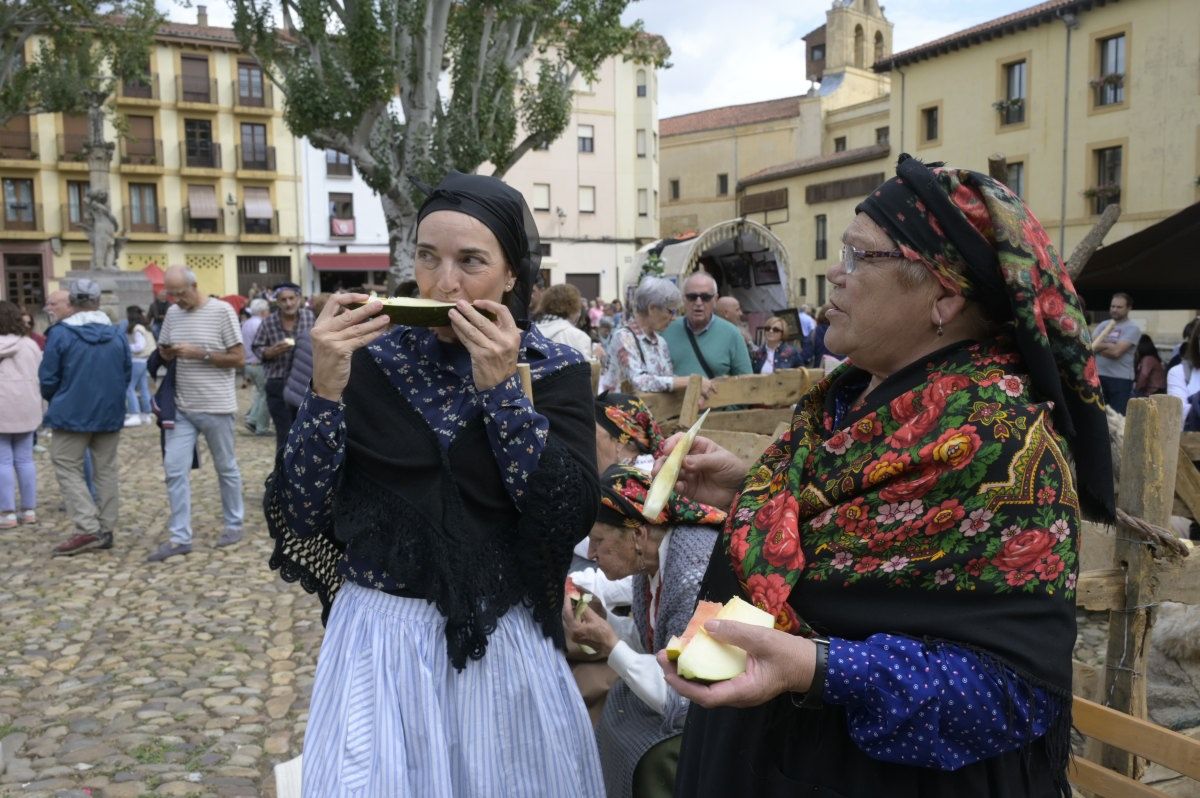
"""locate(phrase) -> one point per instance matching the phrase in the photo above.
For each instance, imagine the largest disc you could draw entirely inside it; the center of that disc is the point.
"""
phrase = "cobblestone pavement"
(122, 678)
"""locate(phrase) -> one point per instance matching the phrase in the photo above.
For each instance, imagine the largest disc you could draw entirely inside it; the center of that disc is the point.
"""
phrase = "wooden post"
(1146, 490)
(998, 167)
(691, 402)
(526, 379)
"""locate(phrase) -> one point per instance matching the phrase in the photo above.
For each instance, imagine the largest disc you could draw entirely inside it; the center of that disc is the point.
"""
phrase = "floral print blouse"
(642, 357)
(436, 379)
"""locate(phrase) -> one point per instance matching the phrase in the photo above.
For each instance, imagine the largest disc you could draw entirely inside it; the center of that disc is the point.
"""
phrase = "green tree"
(366, 78)
(21, 21)
(80, 65)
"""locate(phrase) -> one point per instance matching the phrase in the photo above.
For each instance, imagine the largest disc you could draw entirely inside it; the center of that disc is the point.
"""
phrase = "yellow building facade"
(1103, 109)
(205, 175)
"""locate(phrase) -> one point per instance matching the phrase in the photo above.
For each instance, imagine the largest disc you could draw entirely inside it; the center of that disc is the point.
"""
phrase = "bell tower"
(857, 35)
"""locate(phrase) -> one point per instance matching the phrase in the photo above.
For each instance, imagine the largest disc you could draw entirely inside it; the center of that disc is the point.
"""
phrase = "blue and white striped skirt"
(391, 718)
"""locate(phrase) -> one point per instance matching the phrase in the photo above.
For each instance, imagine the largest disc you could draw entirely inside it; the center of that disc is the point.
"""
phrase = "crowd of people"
(914, 534)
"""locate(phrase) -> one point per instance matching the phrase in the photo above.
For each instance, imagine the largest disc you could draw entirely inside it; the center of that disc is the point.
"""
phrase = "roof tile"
(729, 116)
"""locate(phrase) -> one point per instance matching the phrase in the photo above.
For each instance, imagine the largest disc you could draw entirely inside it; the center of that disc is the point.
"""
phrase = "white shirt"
(1182, 385)
(638, 668)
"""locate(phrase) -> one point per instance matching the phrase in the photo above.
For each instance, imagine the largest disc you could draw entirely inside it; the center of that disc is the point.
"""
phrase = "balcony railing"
(259, 227)
(189, 89)
(18, 146)
(146, 89)
(200, 154)
(144, 223)
(21, 216)
(72, 218)
(197, 226)
(244, 95)
(340, 227)
(141, 152)
(339, 169)
(260, 158)
(70, 146)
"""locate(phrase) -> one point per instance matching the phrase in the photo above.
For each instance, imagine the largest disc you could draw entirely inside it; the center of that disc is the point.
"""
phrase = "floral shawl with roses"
(941, 507)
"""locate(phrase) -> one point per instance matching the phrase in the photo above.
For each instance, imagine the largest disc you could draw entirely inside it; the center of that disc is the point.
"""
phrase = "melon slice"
(416, 312)
(705, 612)
(704, 659)
(675, 647)
(664, 483)
(579, 602)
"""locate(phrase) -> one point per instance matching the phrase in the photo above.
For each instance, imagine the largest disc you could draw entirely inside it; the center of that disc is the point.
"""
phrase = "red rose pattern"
(913, 451)
(768, 592)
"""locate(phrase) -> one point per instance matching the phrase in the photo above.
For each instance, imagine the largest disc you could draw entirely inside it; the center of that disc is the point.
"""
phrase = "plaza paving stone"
(122, 678)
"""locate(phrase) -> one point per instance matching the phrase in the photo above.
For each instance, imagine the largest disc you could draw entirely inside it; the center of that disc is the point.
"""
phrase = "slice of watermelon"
(705, 612)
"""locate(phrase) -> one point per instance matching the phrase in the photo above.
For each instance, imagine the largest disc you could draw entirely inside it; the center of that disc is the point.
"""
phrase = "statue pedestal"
(118, 289)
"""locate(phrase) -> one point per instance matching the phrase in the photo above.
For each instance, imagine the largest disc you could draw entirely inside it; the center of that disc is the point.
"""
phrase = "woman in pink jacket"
(22, 403)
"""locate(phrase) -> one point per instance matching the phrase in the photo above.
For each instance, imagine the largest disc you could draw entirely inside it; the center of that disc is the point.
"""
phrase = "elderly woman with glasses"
(915, 532)
(639, 356)
(775, 354)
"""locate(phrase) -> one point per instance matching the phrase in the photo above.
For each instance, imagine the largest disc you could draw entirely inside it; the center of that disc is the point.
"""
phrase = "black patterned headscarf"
(979, 239)
(504, 211)
(628, 420)
(623, 492)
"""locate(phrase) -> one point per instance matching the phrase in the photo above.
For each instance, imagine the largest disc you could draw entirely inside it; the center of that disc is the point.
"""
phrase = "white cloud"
(724, 53)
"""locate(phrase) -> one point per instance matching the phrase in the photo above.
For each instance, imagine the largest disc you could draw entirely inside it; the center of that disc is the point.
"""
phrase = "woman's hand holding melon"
(336, 335)
(776, 663)
(493, 345)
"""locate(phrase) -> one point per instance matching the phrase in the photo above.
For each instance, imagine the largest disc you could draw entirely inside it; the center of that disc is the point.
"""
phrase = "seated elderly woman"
(626, 432)
(915, 532)
(666, 556)
(638, 354)
(775, 353)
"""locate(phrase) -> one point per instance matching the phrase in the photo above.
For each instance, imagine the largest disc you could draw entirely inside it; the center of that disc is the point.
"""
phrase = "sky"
(725, 52)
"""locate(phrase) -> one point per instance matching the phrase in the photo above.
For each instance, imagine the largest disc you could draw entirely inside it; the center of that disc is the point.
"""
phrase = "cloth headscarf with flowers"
(628, 420)
(942, 505)
(623, 491)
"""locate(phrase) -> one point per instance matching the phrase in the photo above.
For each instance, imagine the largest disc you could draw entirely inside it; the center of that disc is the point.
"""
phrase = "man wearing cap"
(202, 336)
(84, 375)
(274, 346)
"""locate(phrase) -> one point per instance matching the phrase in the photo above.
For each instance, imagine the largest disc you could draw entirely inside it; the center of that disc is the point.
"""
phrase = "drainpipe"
(903, 86)
(1071, 21)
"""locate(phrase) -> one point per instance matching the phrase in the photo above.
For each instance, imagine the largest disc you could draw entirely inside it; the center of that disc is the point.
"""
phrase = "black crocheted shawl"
(439, 521)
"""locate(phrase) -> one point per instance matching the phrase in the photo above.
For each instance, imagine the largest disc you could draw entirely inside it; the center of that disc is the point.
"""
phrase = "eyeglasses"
(699, 297)
(852, 255)
(776, 329)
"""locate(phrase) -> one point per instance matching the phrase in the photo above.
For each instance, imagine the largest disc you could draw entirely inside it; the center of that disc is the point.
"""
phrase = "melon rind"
(704, 659)
(417, 312)
(664, 482)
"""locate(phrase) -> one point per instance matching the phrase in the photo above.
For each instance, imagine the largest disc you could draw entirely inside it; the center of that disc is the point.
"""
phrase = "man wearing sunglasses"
(700, 341)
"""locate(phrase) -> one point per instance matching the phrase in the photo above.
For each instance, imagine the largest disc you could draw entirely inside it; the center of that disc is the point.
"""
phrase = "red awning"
(237, 301)
(350, 261)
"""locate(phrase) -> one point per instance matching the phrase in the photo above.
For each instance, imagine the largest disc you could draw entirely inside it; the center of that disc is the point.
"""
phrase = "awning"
(1156, 266)
(258, 203)
(202, 202)
(350, 261)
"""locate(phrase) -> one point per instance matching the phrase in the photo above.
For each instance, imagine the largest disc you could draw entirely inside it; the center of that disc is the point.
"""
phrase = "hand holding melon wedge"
(707, 473)
(744, 660)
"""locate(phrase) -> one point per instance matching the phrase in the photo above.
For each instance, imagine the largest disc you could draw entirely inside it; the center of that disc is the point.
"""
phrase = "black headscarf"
(504, 211)
(982, 241)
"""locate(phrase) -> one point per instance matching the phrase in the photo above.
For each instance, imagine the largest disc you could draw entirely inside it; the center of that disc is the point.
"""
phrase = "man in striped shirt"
(201, 336)
(275, 346)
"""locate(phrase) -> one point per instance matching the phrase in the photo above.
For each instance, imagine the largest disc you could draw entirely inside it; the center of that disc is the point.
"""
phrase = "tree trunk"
(402, 230)
(97, 216)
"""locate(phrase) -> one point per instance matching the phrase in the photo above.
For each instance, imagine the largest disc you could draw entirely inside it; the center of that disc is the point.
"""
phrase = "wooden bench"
(1170, 749)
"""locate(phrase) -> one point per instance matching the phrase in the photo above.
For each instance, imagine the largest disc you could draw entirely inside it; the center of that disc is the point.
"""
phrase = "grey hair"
(656, 292)
(259, 305)
(189, 276)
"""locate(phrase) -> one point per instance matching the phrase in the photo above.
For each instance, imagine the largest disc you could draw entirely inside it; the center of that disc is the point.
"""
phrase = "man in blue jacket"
(84, 376)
